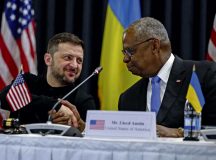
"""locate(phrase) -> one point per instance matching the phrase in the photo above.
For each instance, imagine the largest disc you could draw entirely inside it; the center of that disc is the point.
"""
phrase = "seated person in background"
(147, 53)
(64, 60)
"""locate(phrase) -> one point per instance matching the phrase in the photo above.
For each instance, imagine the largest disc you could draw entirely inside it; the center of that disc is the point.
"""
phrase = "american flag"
(97, 124)
(17, 40)
(212, 43)
(18, 95)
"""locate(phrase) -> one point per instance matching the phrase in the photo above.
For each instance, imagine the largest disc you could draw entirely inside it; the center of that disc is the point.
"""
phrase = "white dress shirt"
(164, 76)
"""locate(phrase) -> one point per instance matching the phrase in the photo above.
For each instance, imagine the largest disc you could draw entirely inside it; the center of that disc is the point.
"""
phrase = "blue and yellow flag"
(115, 78)
(194, 93)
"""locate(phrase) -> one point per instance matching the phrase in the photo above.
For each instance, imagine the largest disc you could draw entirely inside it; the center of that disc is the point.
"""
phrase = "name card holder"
(121, 124)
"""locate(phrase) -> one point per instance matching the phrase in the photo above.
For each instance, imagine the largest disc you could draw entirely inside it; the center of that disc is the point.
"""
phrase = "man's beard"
(61, 77)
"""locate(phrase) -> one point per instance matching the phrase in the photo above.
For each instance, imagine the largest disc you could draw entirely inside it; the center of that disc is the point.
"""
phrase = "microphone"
(59, 129)
(96, 71)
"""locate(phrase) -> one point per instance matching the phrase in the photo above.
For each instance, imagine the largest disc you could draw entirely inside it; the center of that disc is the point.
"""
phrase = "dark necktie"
(155, 97)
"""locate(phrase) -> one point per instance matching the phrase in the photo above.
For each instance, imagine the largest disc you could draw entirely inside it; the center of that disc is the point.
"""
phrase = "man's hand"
(69, 115)
(163, 131)
(59, 117)
(76, 119)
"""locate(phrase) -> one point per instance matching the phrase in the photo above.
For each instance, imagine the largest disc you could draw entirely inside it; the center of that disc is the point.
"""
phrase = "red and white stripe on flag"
(17, 40)
(18, 95)
(212, 43)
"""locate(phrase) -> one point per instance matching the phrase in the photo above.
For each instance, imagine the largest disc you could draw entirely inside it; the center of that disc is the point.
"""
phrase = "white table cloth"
(33, 147)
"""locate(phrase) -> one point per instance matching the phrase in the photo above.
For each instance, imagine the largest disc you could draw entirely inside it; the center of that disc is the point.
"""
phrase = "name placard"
(121, 124)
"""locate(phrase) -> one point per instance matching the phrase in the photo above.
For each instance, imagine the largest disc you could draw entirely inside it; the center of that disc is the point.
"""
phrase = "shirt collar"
(165, 70)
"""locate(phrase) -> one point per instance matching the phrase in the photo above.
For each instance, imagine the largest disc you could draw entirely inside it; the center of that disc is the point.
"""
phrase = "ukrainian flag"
(115, 78)
(194, 93)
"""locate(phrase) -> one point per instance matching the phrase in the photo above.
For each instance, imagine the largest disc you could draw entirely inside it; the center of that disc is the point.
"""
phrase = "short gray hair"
(148, 27)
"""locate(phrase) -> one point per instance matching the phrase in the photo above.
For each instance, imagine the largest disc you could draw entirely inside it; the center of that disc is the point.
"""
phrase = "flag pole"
(21, 69)
(194, 68)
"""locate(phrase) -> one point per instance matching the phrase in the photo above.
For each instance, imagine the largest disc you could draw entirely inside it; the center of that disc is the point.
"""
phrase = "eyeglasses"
(129, 51)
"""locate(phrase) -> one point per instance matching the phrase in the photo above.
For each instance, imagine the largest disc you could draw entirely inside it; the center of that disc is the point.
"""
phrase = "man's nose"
(73, 63)
(126, 58)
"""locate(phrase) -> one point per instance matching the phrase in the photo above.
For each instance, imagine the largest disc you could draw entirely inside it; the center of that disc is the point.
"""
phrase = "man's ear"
(48, 59)
(156, 46)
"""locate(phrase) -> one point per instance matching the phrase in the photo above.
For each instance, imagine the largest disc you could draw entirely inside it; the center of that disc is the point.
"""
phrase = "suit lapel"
(174, 85)
(142, 96)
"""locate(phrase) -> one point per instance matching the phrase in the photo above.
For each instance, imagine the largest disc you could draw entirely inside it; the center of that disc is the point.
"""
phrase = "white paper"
(121, 124)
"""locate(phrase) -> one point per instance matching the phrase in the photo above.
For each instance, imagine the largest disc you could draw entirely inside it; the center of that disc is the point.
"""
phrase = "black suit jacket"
(171, 112)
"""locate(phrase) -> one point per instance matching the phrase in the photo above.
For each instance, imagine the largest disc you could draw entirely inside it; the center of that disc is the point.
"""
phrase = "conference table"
(37, 147)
